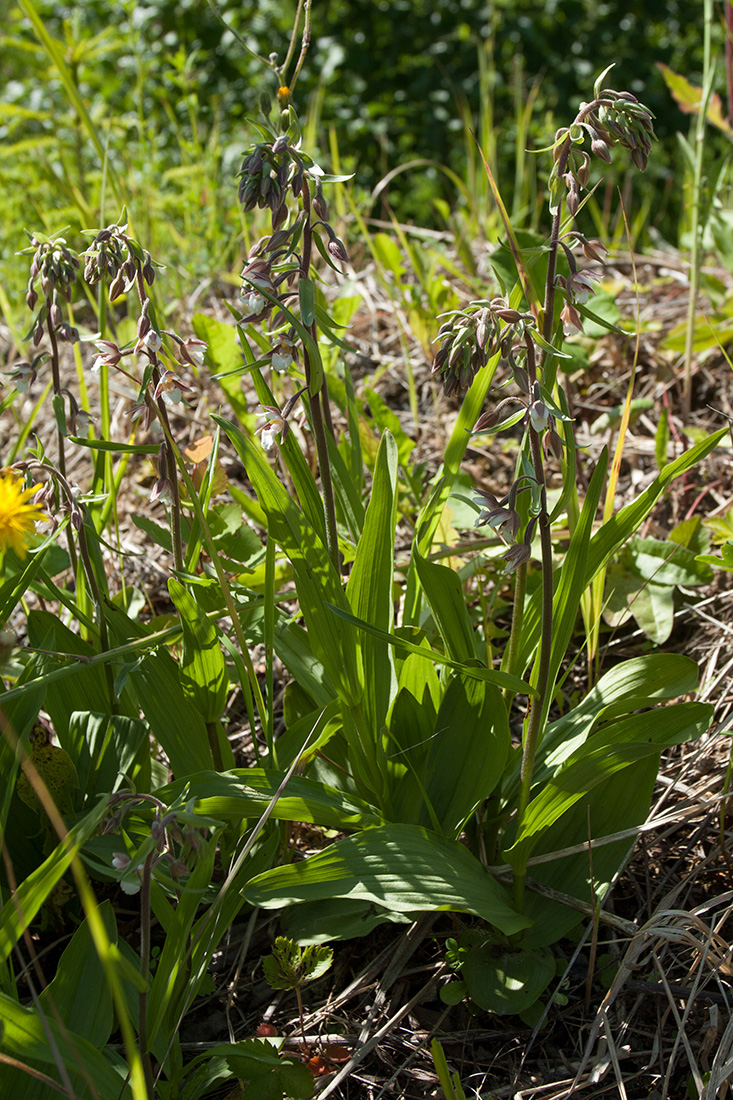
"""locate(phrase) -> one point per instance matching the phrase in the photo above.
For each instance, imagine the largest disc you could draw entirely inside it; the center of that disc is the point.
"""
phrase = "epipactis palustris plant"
(527, 343)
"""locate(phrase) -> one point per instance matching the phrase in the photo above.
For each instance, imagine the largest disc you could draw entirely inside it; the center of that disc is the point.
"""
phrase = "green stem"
(212, 732)
(142, 1004)
(318, 402)
(226, 592)
(532, 729)
(697, 187)
(515, 635)
(56, 375)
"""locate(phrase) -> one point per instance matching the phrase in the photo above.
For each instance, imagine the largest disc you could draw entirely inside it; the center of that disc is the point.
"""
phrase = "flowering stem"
(515, 634)
(319, 402)
(56, 376)
(175, 491)
(562, 164)
(171, 458)
(536, 708)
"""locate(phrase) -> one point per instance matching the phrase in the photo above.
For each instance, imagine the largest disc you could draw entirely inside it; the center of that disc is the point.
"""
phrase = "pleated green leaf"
(333, 641)
(616, 747)
(79, 991)
(399, 867)
(369, 590)
(246, 792)
(444, 594)
(461, 762)
(24, 1037)
(202, 671)
(612, 535)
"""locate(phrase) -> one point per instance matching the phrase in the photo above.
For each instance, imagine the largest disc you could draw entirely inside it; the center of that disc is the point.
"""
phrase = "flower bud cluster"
(470, 337)
(53, 268)
(113, 253)
(612, 119)
(268, 172)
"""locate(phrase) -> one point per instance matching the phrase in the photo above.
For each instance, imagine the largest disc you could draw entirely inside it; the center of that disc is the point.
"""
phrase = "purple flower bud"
(335, 248)
(600, 149)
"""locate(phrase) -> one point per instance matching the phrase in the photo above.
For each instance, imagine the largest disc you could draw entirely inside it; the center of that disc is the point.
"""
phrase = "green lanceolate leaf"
(369, 590)
(26, 1038)
(444, 594)
(612, 535)
(461, 762)
(307, 296)
(202, 670)
(614, 748)
(317, 583)
(429, 517)
(400, 867)
(246, 792)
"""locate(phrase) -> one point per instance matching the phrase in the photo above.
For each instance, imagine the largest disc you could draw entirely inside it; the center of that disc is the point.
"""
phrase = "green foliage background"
(389, 78)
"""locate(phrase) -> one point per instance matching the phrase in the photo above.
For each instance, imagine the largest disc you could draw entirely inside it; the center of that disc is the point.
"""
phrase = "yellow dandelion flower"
(17, 515)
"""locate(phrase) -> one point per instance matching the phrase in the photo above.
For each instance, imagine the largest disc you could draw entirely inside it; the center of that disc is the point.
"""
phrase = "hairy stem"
(532, 729)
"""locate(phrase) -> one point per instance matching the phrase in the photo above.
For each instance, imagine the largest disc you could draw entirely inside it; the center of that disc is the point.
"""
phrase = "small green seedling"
(291, 966)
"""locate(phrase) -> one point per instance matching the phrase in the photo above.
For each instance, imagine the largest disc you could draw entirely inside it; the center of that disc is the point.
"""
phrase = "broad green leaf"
(616, 747)
(86, 690)
(400, 867)
(506, 982)
(154, 681)
(20, 714)
(666, 562)
(202, 671)
(369, 590)
(269, 1075)
(79, 991)
(632, 685)
(336, 919)
(25, 1038)
(462, 761)
(246, 792)
(652, 605)
(317, 583)
(444, 594)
